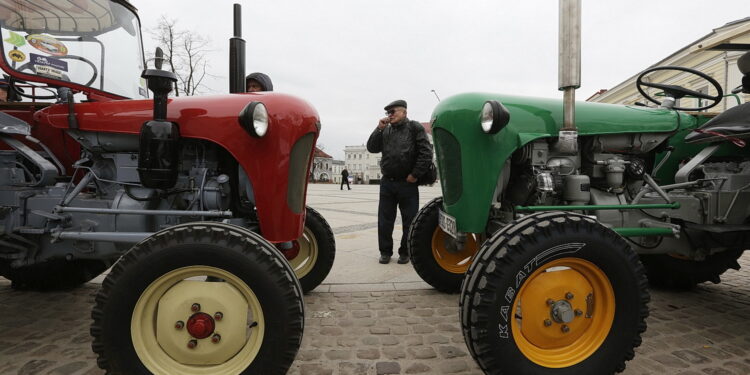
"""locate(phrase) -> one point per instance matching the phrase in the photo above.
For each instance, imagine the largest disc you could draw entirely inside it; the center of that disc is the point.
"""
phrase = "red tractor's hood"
(215, 118)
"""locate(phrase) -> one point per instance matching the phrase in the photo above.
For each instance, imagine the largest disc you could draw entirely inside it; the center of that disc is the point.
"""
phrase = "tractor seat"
(731, 125)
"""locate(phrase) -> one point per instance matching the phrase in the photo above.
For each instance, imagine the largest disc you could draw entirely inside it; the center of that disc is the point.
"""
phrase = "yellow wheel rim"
(305, 260)
(147, 324)
(454, 262)
(563, 313)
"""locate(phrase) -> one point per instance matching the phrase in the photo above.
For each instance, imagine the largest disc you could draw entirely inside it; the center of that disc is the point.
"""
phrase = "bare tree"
(185, 53)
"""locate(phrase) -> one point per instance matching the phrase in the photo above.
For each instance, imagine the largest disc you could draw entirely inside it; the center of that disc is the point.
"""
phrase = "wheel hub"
(291, 252)
(562, 312)
(202, 323)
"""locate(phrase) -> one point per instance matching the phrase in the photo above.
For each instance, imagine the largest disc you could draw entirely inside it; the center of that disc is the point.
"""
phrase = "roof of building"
(320, 154)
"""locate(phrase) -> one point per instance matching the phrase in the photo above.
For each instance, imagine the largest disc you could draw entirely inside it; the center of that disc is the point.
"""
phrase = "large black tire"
(315, 251)
(667, 271)
(442, 269)
(579, 256)
(145, 275)
(56, 274)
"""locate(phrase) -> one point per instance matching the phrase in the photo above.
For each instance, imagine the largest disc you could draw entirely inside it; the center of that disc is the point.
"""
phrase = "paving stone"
(670, 361)
(348, 368)
(35, 366)
(315, 369)
(386, 368)
(372, 353)
(393, 352)
(453, 366)
(422, 352)
(68, 368)
(691, 357)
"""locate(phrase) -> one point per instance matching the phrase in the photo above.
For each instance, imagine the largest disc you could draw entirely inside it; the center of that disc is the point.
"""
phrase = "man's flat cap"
(396, 103)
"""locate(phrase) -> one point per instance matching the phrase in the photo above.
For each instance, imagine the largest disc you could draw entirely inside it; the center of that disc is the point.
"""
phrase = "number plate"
(447, 223)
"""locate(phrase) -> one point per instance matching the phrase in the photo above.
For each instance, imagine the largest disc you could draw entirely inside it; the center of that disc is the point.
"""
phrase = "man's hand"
(383, 123)
(411, 179)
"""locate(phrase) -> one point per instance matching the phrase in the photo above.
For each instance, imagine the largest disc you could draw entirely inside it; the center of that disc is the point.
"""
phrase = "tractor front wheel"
(312, 254)
(554, 293)
(432, 253)
(199, 298)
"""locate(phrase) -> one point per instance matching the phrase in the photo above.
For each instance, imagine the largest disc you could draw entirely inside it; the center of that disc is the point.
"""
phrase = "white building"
(362, 165)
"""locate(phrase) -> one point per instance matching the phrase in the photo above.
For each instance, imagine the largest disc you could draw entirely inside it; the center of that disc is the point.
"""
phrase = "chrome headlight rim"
(254, 119)
(494, 117)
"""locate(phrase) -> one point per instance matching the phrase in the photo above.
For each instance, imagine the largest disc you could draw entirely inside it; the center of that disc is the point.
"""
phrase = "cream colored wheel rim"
(305, 260)
(143, 325)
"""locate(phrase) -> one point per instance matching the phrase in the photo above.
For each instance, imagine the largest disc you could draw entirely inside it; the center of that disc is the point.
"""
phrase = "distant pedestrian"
(345, 178)
(406, 154)
(256, 82)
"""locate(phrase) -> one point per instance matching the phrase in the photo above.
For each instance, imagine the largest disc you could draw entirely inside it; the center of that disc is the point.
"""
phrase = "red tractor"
(197, 203)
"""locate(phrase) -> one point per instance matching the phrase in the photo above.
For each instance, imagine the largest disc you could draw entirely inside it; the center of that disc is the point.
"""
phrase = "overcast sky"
(349, 57)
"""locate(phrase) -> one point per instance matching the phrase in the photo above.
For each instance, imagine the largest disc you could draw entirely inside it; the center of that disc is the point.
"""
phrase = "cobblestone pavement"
(705, 331)
(372, 319)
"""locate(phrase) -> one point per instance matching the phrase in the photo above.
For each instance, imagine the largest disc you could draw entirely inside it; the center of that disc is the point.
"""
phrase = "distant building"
(715, 54)
(364, 167)
(322, 169)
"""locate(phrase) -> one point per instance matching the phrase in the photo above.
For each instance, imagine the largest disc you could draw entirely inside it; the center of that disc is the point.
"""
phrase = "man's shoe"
(403, 259)
(385, 259)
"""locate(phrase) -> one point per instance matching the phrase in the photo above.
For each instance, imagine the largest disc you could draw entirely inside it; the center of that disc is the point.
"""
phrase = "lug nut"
(568, 295)
(215, 338)
(565, 328)
(192, 344)
(179, 325)
(578, 312)
(547, 322)
(550, 302)
(196, 307)
(218, 315)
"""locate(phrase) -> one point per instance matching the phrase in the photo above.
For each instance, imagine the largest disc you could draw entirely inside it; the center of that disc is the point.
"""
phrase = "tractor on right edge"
(549, 227)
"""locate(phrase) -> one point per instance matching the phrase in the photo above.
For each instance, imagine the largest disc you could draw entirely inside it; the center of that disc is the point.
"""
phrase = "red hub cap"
(200, 325)
(292, 252)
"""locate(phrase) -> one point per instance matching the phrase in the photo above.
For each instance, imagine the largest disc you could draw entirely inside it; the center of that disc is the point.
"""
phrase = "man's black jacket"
(405, 149)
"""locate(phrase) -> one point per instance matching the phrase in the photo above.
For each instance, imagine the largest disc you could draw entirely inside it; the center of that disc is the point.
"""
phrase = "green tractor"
(553, 221)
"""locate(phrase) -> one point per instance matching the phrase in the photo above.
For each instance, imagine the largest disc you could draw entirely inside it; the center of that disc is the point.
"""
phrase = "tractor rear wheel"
(56, 274)
(554, 293)
(199, 298)
(432, 255)
(673, 272)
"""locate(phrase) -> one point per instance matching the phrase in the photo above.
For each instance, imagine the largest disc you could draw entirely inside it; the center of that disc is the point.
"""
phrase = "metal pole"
(569, 59)
(112, 211)
(237, 55)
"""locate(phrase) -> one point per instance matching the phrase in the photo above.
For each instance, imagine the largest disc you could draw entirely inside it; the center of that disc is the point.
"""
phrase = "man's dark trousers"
(345, 180)
(394, 193)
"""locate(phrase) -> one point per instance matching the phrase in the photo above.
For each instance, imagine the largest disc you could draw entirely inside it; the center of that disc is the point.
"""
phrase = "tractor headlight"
(254, 118)
(494, 117)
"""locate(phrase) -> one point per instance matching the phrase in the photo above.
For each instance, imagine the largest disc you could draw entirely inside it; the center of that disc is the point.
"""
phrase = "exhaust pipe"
(237, 54)
(569, 70)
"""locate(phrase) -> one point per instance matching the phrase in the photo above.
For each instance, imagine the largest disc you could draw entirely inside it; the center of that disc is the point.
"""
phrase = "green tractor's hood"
(470, 161)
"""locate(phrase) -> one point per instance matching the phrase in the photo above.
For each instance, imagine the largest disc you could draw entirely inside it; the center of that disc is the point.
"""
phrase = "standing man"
(4, 90)
(345, 178)
(406, 154)
(255, 82)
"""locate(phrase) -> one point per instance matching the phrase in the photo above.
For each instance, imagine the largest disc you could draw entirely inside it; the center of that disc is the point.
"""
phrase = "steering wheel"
(678, 92)
(29, 66)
